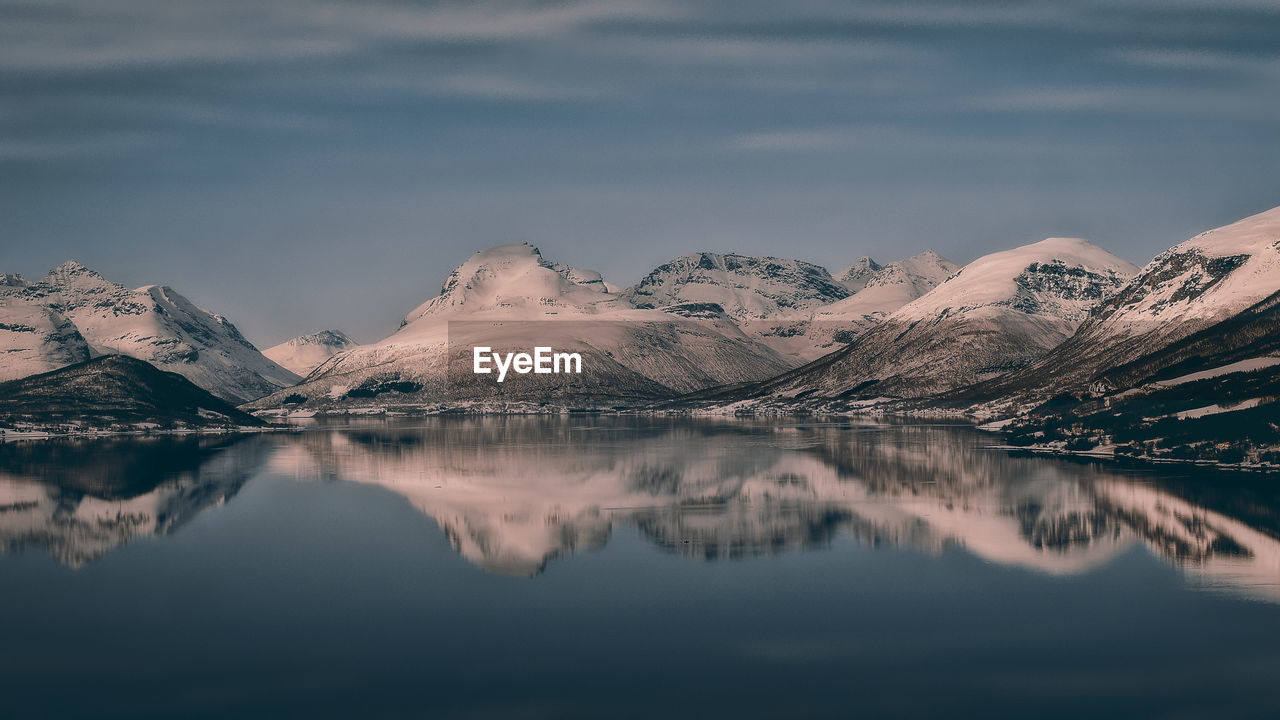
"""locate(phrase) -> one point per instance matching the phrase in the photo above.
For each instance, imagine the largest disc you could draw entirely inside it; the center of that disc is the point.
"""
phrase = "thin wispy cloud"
(1195, 59)
(94, 146)
(887, 140)
(1058, 100)
(483, 84)
(1135, 100)
(795, 140)
(718, 51)
(485, 19)
(115, 35)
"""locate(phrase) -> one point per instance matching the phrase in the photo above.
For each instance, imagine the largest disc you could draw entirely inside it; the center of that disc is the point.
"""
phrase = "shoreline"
(11, 435)
(1132, 460)
(8, 435)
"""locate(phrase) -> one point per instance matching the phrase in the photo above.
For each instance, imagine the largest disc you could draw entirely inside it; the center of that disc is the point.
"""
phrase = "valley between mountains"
(1058, 344)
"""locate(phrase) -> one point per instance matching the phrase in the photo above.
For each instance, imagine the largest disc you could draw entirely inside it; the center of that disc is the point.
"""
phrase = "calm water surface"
(623, 567)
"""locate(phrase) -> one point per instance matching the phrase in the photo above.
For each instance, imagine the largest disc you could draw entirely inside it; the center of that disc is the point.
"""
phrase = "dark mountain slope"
(114, 391)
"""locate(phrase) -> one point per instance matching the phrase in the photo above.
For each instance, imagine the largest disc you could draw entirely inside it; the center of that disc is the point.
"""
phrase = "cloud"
(105, 145)
(795, 140)
(718, 51)
(963, 14)
(485, 19)
(923, 142)
(117, 35)
(1194, 59)
(498, 86)
(1054, 99)
(889, 138)
(475, 82)
(1136, 99)
(112, 36)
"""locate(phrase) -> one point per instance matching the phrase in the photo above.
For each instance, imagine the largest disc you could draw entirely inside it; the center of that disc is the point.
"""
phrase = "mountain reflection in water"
(78, 499)
(512, 493)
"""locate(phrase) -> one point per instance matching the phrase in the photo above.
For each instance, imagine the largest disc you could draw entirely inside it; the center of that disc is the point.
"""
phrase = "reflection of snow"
(512, 493)
(76, 527)
(1221, 552)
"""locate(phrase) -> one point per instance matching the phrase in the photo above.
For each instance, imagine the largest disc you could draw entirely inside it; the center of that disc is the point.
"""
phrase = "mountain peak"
(931, 258)
(855, 276)
(305, 353)
(1256, 235)
(745, 286)
(511, 250)
(325, 337)
(515, 278)
(154, 324)
(1066, 244)
(1213, 275)
(13, 280)
(72, 273)
(1066, 272)
(72, 267)
(922, 271)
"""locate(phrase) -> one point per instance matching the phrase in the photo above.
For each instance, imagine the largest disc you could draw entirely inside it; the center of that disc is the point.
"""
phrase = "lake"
(588, 566)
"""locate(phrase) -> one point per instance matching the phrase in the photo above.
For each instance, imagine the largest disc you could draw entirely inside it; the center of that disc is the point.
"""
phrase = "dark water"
(597, 567)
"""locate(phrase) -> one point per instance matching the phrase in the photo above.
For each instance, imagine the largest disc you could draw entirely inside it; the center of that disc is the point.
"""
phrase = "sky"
(297, 165)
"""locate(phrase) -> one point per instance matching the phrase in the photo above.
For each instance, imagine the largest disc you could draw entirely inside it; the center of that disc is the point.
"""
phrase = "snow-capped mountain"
(305, 353)
(745, 287)
(855, 276)
(510, 299)
(997, 314)
(811, 334)
(1193, 338)
(34, 338)
(1210, 280)
(153, 323)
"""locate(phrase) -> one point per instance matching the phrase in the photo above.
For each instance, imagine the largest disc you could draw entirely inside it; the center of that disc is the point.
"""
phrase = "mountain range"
(510, 298)
(74, 313)
(997, 314)
(1045, 341)
(1182, 363)
(878, 291)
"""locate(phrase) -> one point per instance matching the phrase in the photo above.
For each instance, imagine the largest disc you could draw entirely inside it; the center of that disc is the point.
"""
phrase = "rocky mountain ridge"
(1180, 363)
(74, 313)
(510, 298)
(746, 287)
(995, 315)
(811, 334)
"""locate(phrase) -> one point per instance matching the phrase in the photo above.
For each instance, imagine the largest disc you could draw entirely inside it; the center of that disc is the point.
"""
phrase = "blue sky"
(298, 165)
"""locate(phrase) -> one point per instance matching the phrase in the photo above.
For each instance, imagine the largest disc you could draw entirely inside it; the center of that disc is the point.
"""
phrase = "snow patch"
(1243, 366)
(1218, 409)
